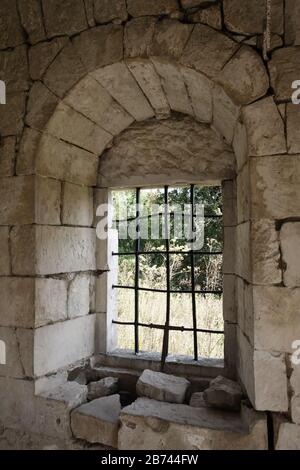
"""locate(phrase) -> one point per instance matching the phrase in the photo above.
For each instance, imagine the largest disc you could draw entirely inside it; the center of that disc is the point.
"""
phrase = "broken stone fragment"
(162, 387)
(224, 394)
(102, 388)
(78, 375)
(197, 400)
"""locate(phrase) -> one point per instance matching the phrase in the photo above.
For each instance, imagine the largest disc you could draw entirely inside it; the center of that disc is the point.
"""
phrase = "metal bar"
(172, 291)
(163, 327)
(172, 252)
(165, 347)
(137, 274)
(150, 216)
(194, 312)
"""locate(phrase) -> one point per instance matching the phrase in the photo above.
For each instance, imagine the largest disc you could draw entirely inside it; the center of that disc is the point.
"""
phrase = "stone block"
(292, 23)
(17, 200)
(77, 205)
(292, 124)
(12, 114)
(121, 85)
(197, 400)
(162, 387)
(19, 352)
(23, 246)
(284, 68)
(110, 10)
(170, 38)
(289, 240)
(41, 55)
(50, 301)
(17, 302)
(47, 201)
(62, 344)
(98, 421)
(41, 105)
(14, 69)
(79, 296)
(243, 194)
(32, 19)
(210, 16)
(102, 388)
(229, 298)
(27, 152)
(7, 156)
(265, 136)
(58, 20)
(200, 92)
(138, 36)
(224, 394)
(229, 256)
(225, 114)
(93, 101)
(240, 145)
(11, 32)
(288, 437)
(193, 3)
(265, 253)
(4, 252)
(151, 7)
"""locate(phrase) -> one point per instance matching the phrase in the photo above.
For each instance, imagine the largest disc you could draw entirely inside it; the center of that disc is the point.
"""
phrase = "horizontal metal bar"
(131, 219)
(172, 252)
(163, 327)
(172, 291)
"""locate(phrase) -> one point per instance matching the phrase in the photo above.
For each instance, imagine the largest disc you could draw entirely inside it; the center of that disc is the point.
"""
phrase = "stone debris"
(197, 400)
(223, 394)
(102, 388)
(162, 387)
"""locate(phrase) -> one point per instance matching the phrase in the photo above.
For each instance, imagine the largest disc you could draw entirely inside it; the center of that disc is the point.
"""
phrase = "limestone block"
(243, 255)
(13, 394)
(245, 363)
(100, 46)
(47, 201)
(148, 424)
(41, 105)
(170, 38)
(7, 156)
(197, 400)
(14, 69)
(110, 10)
(121, 85)
(11, 32)
(292, 23)
(102, 388)
(174, 86)
(68, 125)
(138, 36)
(244, 77)
(17, 302)
(67, 162)
(91, 99)
(207, 50)
(63, 343)
(284, 68)
(265, 253)
(27, 152)
(41, 55)
(289, 238)
(98, 421)
(23, 245)
(77, 205)
(4, 251)
(225, 114)
(243, 194)
(79, 296)
(58, 20)
(162, 387)
(32, 20)
(224, 394)
(17, 197)
(19, 352)
(50, 301)
(293, 124)
(151, 7)
(240, 145)
(12, 114)
(229, 298)
(244, 17)
(200, 92)
(288, 437)
(65, 70)
(275, 187)
(149, 82)
(211, 16)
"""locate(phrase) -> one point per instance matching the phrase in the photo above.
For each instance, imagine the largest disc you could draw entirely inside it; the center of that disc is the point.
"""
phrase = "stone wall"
(79, 73)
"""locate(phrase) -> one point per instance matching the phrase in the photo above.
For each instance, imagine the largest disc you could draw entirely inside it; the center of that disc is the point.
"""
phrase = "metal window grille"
(166, 327)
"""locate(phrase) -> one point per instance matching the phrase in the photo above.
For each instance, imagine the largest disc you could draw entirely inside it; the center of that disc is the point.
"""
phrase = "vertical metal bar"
(192, 205)
(137, 272)
(165, 348)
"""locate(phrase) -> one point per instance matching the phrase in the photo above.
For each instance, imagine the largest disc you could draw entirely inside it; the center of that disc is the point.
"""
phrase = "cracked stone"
(223, 394)
(102, 388)
(162, 387)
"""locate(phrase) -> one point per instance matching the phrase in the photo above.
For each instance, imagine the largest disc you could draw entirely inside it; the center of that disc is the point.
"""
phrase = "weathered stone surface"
(290, 247)
(7, 156)
(244, 17)
(17, 302)
(174, 86)
(149, 424)
(243, 194)
(102, 388)
(151, 7)
(197, 400)
(77, 205)
(284, 69)
(200, 92)
(47, 201)
(211, 16)
(61, 160)
(170, 38)
(144, 72)
(275, 186)
(79, 375)
(98, 421)
(52, 351)
(138, 36)
(240, 145)
(176, 150)
(4, 250)
(41, 56)
(208, 51)
(70, 126)
(162, 387)
(244, 77)
(17, 197)
(292, 124)
(27, 152)
(12, 114)
(100, 46)
(59, 21)
(50, 301)
(110, 10)
(31, 18)
(91, 99)
(223, 394)
(265, 136)
(14, 69)
(11, 33)
(41, 105)
(119, 82)
(265, 253)
(193, 3)
(79, 296)
(288, 437)
(71, 394)
(292, 23)
(225, 114)
(19, 352)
